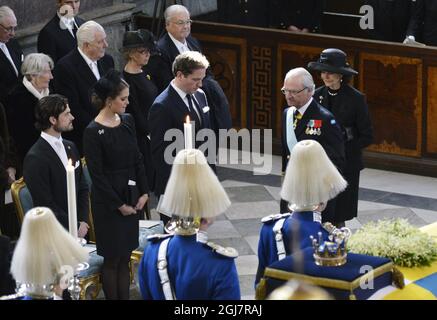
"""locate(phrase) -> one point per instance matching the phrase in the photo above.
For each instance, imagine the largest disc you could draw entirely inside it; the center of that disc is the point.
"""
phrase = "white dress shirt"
(92, 64)
(58, 146)
(182, 47)
(5, 50)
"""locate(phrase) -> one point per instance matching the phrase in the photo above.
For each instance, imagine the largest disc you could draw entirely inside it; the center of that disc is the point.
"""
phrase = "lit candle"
(188, 132)
(71, 194)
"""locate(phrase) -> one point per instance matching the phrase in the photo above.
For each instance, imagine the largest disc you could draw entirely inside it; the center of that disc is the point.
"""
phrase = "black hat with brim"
(140, 38)
(333, 61)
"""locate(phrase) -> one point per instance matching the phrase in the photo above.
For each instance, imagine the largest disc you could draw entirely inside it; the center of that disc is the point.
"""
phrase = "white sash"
(162, 270)
(291, 136)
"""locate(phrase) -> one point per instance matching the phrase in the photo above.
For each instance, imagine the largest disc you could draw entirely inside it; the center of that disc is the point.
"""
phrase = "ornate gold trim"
(135, 259)
(327, 282)
(87, 282)
(15, 191)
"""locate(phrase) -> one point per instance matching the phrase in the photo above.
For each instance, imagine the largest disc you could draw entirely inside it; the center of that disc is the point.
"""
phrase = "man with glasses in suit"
(305, 119)
(11, 54)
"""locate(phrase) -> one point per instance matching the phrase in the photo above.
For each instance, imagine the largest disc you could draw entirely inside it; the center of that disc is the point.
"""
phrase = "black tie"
(194, 112)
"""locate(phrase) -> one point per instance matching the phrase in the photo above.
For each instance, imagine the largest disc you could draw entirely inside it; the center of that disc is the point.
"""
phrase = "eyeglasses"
(182, 22)
(292, 92)
(9, 30)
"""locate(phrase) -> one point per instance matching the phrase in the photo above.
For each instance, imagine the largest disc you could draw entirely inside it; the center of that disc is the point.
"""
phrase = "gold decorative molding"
(393, 87)
(240, 69)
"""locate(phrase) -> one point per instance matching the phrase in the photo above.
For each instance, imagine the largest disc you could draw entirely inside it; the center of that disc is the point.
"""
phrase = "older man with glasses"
(305, 119)
(11, 54)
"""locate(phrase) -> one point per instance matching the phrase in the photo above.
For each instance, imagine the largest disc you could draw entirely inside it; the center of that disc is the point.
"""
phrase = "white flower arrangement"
(397, 240)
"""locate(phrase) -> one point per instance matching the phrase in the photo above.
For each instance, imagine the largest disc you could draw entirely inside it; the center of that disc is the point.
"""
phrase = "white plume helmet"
(43, 248)
(193, 189)
(311, 178)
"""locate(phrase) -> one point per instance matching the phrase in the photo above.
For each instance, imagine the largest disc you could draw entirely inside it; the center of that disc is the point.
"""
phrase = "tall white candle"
(71, 194)
(188, 132)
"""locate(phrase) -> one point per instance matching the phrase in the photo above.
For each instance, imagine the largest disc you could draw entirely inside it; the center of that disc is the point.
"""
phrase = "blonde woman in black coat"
(350, 109)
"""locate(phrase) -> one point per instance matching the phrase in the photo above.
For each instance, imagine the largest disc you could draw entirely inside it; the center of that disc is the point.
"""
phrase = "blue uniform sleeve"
(143, 276)
(266, 250)
(227, 284)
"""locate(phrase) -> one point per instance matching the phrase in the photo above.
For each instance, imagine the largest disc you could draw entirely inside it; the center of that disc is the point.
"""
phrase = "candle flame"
(70, 162)
(187, 119)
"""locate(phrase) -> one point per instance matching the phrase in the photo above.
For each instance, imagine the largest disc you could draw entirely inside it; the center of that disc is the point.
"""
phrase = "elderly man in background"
(77, 72)
(11, 54)
(58, 36)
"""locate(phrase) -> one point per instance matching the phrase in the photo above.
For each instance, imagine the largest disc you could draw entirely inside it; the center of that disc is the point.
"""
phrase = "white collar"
(179, 44)
(66, 23)
(183, 94)
(180, 92)
(85, 57)
(305, 107)
(51, 139)
(29, 86)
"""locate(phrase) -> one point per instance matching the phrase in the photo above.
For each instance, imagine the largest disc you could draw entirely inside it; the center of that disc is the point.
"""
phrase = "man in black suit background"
(182, 97)
(77, 72)
(11, 54)
(45, 163)
(306, 119)
(58, 36)
(178, 40)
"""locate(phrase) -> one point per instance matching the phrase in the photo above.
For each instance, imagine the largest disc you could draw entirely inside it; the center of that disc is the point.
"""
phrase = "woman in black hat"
(350, 109)
(137, 48)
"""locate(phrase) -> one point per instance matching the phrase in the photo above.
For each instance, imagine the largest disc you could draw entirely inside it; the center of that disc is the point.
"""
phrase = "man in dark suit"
(182, 97)
(58, 36)
(45, 163)
(77, 72)
(306, 119)
(11, 54)
(178, 40)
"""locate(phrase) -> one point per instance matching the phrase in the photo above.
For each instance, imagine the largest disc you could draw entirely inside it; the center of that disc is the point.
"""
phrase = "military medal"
(317, 127)
(310, 127)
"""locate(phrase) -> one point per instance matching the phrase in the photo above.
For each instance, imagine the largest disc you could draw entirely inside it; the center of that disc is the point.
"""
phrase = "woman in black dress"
(350, 110)
(137, 47)
(119, 184)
